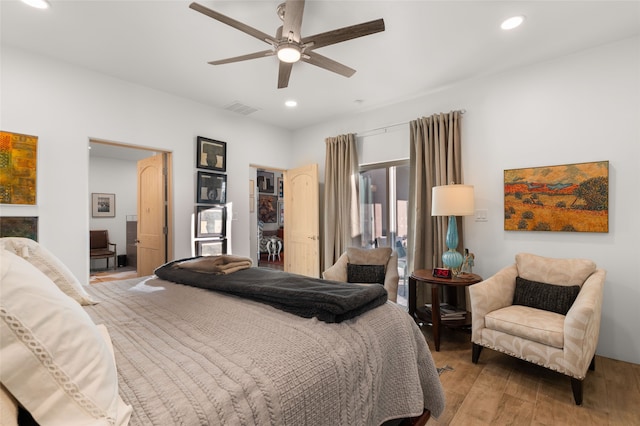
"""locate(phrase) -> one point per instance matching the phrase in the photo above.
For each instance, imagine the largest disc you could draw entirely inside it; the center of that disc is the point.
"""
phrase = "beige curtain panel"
(341, 207)
(435, 159)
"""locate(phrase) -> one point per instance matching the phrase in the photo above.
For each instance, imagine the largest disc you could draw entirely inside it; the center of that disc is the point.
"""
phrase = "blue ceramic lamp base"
(451, 258)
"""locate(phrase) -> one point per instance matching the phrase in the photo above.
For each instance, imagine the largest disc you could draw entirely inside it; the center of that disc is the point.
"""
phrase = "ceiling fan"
(289, 45)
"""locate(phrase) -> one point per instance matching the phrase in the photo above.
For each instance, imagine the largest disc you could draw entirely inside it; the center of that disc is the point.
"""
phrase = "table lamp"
(452, 200)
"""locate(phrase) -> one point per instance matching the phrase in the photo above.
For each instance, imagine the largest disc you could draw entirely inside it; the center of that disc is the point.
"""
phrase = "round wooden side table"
(422, 315)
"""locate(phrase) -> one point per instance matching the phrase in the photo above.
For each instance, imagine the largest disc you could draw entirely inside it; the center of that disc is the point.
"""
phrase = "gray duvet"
(189, 356)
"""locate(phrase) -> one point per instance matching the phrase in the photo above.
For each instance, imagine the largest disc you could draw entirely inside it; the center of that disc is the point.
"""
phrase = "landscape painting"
(566, 198)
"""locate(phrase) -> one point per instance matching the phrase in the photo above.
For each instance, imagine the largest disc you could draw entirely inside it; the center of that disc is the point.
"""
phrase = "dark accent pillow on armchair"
(548, 297)
(369, 274)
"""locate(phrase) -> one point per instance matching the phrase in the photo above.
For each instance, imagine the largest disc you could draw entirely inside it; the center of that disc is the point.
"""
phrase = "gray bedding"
(189, 356)
(307, 297)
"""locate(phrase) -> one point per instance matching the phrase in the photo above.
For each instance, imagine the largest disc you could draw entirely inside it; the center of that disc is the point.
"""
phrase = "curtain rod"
(386, 128)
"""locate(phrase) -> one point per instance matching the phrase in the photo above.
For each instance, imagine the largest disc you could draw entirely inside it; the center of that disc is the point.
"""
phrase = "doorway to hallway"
(113, 169)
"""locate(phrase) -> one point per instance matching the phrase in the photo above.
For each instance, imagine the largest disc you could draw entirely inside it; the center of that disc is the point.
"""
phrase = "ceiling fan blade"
(344, 34)
(283, 74)
(233, 23)
(255, 55)
(293, 19)
(328, 64)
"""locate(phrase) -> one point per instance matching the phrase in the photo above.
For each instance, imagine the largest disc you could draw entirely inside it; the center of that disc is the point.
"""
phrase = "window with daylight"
(384, 199)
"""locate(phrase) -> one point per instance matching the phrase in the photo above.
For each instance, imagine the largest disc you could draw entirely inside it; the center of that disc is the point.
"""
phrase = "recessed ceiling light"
(38, 4)
(511, 23)
(291, 103)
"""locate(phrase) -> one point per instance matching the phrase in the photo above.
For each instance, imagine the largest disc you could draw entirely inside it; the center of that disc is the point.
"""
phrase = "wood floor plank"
(483, 400)
(503, 390)
(454, 401)
(623, 392)
(513, 411)
(523, 384)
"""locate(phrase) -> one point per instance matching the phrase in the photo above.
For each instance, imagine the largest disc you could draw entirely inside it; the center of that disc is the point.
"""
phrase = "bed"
(192, 356)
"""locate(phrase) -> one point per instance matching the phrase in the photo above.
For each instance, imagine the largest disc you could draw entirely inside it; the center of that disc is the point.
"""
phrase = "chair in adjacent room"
(367, 266)
(101, 248)
(543, 310)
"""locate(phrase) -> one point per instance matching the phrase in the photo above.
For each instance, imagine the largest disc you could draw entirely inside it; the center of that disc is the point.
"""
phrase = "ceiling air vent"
(240, 108)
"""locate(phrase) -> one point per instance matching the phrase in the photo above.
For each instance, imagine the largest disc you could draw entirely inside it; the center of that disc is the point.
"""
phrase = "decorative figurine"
(467, 264)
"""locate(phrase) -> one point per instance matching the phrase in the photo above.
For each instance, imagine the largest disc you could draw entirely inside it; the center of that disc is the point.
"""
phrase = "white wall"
(66, 106)
(119, 177)
(579, 108)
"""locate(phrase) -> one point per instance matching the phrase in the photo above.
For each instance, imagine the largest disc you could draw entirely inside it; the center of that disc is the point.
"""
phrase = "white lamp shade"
(452, 200)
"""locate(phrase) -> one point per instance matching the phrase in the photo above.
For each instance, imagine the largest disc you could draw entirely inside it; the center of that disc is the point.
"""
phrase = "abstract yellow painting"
(18, 164)
(566, 198)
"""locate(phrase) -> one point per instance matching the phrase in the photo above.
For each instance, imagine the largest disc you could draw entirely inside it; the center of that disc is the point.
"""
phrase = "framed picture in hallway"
(211, 247)
(212, 154)
(267, 208)
(210, 221)
(212, 188)
(103, 205)
(266, 184)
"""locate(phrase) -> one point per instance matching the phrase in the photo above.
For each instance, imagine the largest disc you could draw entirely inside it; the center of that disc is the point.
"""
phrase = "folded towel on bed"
(329, 301)
(222, 264)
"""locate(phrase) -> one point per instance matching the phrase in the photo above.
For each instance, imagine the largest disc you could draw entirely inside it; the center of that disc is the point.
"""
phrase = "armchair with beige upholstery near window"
(542, 310)
(367, 266)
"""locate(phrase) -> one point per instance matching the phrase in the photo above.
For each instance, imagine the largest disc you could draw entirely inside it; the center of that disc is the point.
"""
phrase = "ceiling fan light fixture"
(289, 53)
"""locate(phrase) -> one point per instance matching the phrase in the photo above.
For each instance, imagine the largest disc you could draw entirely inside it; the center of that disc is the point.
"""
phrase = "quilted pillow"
(548, 297)
(50, 265)
(368, 274)
(54, 359)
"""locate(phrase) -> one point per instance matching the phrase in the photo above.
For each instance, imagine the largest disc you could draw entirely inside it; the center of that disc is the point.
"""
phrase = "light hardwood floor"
(503, 390)
(110, 275)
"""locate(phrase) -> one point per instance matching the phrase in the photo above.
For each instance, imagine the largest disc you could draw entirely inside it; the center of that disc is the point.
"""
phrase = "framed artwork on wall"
(210, 221)
(267, 208)
(281, 213)
(212, 154)
(565, 198)
(212, 188)
(211, 247)
(103, 205)
(280, 188)
(18, 158)
(19, 226)
(266, 184)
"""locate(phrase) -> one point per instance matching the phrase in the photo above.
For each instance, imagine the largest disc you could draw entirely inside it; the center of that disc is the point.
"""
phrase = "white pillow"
(8, 408)
(50, 265)
(54, 359)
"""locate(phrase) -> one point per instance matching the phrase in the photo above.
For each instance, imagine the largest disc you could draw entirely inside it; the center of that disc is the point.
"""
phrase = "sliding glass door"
(384, 197)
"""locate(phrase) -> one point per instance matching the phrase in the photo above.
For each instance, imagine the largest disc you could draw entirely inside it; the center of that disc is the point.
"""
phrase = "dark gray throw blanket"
(307, 297)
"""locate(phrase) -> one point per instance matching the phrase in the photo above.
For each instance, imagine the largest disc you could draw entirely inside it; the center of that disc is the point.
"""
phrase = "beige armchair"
(382, 256)
(513, 313)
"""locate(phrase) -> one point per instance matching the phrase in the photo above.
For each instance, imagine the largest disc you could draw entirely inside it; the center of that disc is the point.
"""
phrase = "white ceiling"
(426, 45)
